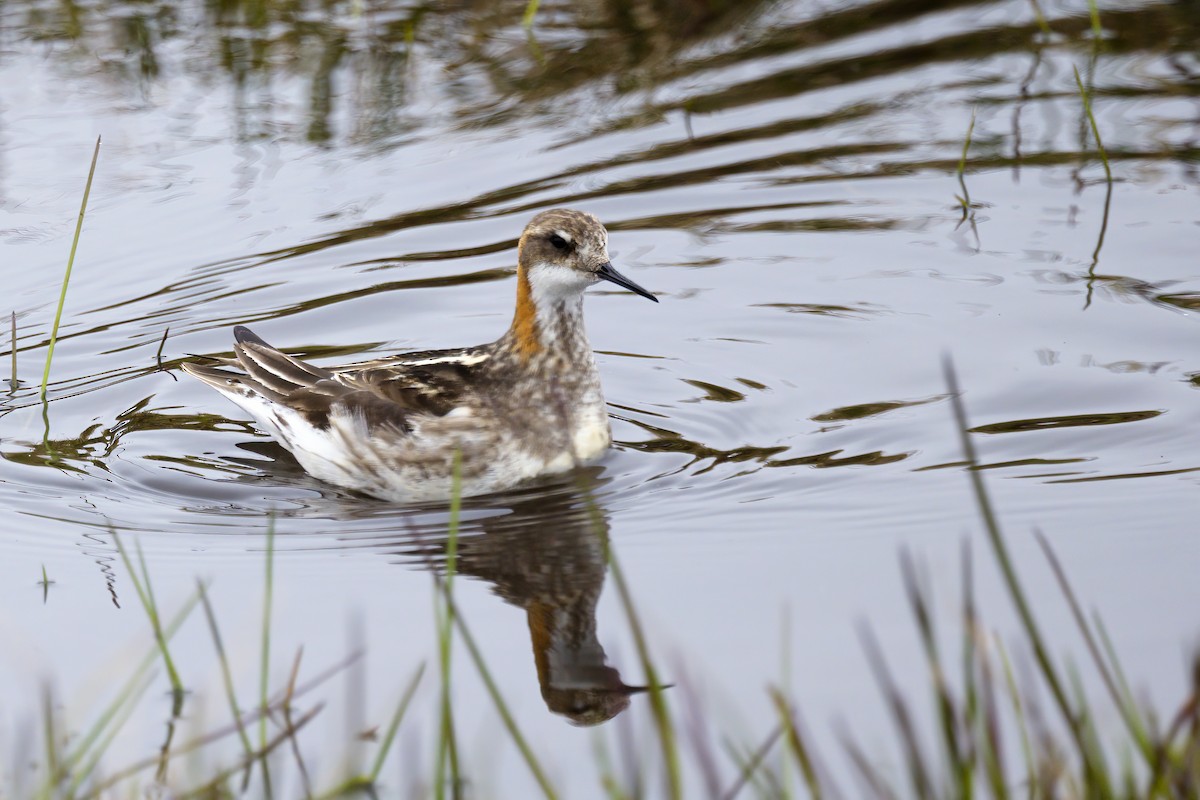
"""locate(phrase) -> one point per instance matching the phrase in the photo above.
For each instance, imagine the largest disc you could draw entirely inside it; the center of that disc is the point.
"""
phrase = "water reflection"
(546, 554)
(543, 548)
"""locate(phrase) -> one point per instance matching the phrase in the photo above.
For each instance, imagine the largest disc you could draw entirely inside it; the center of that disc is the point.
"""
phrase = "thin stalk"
(203, 741)
(161, 345)
(91, 744)
(45, 584)
(658, 703)
(265, 660)
(1137, 728)
(948, 713)
(797, 744)
(965, 200)
(226, 675)
(531, 10)
(1040, 17)
(1015, 591)
(62, 299)
(286, 707)
(394, 725)
(145, 594)
(12, 383)
(1094, 13)
(1010, 682)
(89, 764)
(53, 767)
(1087, 108)
(489, 682)
(747, 767)
(447, 752)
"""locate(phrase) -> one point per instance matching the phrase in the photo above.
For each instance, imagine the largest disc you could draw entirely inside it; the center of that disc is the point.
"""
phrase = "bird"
(420, 426)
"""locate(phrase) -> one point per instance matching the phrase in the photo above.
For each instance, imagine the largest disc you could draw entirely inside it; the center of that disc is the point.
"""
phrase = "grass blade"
(531, 10)
(145, 593)
(394, 725)
(1087, 108)
(447, 752)
(62, 299)
(1094, 13)
(1095, 778)
(658, 702)
(226, 675)
(12, 382)
(265, 659)
(800, 750)
(493, 689)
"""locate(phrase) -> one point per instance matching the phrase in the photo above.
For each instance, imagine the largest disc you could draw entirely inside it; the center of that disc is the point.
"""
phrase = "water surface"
(350, 179)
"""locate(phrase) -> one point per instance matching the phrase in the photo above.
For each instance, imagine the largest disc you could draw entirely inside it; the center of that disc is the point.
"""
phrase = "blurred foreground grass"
(993, 738)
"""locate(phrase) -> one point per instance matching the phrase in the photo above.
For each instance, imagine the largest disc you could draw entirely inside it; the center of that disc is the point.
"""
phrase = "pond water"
(350, 178)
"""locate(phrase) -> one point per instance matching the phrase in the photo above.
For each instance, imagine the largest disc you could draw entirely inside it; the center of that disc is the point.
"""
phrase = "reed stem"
(62, 298)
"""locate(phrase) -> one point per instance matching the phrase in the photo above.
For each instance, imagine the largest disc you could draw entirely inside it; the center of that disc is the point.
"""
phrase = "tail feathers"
(278, 371)
(242, 334)
(273, 374)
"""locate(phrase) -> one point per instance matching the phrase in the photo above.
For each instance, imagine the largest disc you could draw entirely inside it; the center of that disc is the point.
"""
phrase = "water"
(350, 179)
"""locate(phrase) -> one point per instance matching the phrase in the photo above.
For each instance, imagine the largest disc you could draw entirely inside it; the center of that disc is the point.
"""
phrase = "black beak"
(607, 273)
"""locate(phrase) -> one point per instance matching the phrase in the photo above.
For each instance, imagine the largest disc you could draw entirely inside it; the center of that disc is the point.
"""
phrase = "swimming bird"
(526, 405)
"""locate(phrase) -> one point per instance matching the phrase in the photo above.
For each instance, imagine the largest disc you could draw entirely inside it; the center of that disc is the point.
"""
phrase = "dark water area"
(350, 180)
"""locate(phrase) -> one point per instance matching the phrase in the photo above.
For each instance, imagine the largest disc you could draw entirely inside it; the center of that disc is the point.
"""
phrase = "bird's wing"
(385, 393)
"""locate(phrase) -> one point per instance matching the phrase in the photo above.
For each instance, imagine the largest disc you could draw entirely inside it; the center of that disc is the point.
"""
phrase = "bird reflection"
(548, 557)
(543, 549)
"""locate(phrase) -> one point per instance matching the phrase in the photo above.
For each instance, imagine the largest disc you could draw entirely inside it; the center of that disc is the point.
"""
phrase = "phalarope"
(526, 405)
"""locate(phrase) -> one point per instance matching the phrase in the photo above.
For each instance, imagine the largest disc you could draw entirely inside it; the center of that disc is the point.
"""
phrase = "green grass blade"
(493, 689)
(531, 10)
(796, 744)
(226, 674)
(88, 766)
(12, 383)
(1087, 108)
(1040, 17)
(447, 751)
(394, 725)
(1095, 777)
(62, 299)
(748, 766)
(50, 741)
(145, 593)
(1128, 710)
(1094, 13)
(117, 710)
(264, 670)
(658, 703)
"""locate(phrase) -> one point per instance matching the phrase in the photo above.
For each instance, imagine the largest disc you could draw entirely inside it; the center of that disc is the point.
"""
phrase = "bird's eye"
(559, 242)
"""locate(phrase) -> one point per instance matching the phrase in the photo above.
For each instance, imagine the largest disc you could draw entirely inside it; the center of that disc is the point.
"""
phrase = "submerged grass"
(62, 298)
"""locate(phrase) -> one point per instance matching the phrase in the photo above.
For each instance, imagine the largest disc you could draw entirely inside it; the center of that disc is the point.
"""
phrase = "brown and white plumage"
(528, 404)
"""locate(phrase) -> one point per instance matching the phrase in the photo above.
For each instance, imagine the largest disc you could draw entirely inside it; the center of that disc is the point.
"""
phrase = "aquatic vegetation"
(62, 298)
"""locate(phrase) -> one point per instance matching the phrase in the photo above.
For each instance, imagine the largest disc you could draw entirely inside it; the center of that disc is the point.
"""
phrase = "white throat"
(557, 290)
